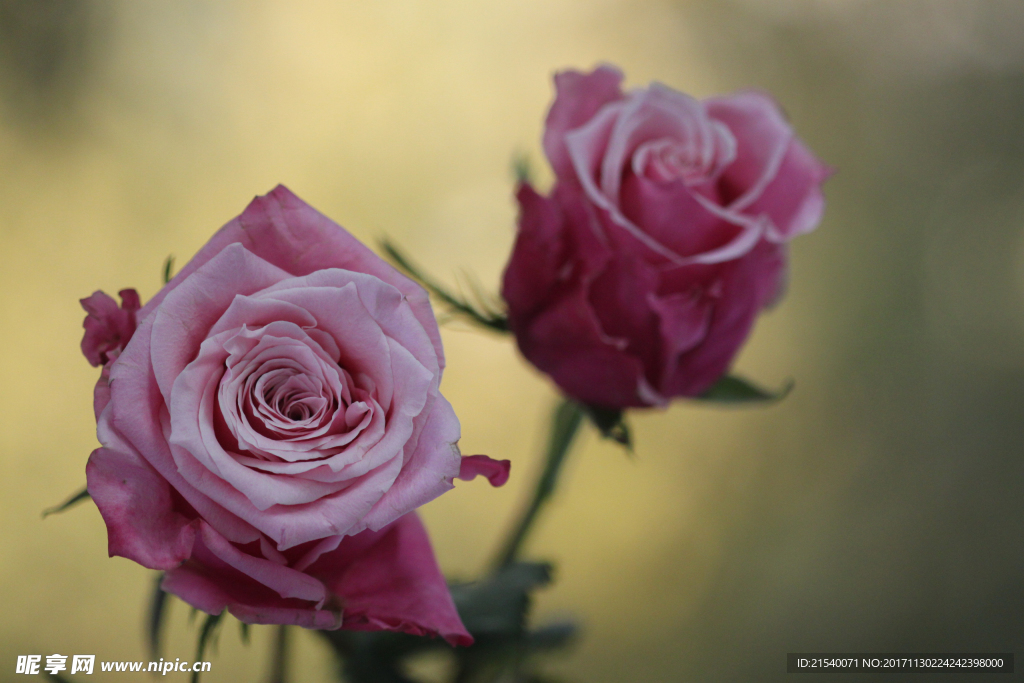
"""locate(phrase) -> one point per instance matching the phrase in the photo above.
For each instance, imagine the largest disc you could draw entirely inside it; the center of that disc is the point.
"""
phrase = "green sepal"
(732, 389)
(243, 632)
(157, 611)
(168, 268)
(611, 422)
(496, 607)
(205, 636)
(69, 503)
(522, 170)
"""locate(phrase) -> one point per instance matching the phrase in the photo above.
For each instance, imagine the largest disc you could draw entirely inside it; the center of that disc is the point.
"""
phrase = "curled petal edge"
(473, 466)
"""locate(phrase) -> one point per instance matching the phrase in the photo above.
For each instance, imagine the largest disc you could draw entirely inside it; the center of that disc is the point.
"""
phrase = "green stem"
(565, 423)
(279, 663)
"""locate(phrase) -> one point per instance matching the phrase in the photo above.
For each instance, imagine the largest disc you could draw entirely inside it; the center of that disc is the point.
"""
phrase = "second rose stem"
(565, 423)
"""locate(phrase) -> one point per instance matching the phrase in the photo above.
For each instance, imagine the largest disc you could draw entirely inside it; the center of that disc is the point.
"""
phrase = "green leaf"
(376, 656)
(168, 266)
(481, 314)
(205, 635)
(496, 608)
(521, 169)
(731, 389)
(611, 422)
(552, 636)
(70, 502)
(157, 610)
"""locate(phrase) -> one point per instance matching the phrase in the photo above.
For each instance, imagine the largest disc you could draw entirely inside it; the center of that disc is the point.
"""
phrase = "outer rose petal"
(732, 317)
(283, 230)
(394, 584)
(774, 173)
(137, 508)
(566, 342)
(578, 97)
(794, 200)
(428, 471)
(378, 580)
(533, 270)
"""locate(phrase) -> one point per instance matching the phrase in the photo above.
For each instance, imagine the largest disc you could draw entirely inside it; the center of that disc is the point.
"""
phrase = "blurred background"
(878, 508)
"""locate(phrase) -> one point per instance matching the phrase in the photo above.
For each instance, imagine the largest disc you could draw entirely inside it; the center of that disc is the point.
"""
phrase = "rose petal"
(794, 201)
(190, 310)
(762, 138)
(578, 97)
(394, 584)
(108, 328)
(473, 466)
(428, 470)
(286, 232)
(137, 508)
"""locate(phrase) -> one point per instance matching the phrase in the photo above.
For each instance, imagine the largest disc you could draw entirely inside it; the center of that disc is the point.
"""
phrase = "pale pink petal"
(428, 471)
(283, 230)
(190, 310)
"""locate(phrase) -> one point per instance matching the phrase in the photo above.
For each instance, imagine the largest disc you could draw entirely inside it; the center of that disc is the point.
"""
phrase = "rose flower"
(639, 276)
(270, 420)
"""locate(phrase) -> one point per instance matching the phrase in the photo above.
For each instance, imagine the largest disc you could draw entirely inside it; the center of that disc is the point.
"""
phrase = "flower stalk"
(565, 423)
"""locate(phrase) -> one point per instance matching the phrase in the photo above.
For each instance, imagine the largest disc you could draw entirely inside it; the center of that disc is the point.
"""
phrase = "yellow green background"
(878, 508)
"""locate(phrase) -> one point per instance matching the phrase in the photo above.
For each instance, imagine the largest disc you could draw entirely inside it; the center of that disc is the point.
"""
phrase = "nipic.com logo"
(86, 664)
(30, 664)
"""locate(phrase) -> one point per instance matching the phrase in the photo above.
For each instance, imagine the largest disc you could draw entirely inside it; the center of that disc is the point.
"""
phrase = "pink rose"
(665, 234)
(271, 425)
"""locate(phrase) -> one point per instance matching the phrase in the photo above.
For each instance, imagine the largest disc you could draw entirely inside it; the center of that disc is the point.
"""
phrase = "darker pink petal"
(672, 216)
(736, 301)
(210, 583)
(108, 328)
(565, 340)
(533, 270)
(376, 580)
(389, 580)
(138, 509)
(473, 466)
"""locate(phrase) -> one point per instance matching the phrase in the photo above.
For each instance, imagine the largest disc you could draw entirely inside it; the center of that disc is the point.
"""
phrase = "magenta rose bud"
(639, 276)
(273, 423)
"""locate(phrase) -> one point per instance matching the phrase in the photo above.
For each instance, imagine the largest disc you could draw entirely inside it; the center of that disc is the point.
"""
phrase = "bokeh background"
(878, 508)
